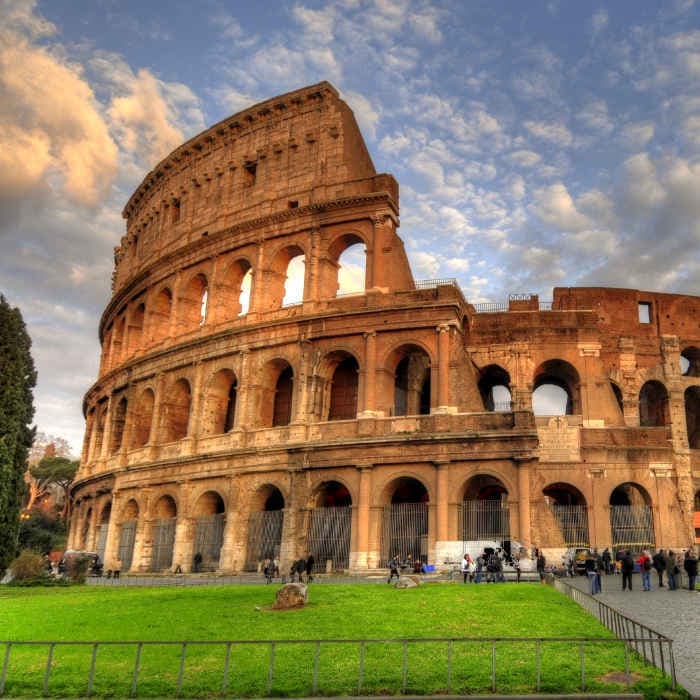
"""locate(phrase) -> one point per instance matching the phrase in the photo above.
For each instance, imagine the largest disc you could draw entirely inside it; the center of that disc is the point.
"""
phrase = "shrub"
(28, 565)
(76, 568)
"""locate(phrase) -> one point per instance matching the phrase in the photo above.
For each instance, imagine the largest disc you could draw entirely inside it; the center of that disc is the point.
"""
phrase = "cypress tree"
(17, 380)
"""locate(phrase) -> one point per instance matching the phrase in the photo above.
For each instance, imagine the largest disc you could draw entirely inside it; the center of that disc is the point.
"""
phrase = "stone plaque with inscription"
(559, 441)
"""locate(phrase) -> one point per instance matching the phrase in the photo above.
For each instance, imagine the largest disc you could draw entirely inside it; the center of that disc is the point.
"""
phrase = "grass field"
(334, 612)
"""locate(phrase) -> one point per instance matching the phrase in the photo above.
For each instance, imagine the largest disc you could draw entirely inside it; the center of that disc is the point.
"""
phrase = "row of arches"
(326, 523)
(205, 298)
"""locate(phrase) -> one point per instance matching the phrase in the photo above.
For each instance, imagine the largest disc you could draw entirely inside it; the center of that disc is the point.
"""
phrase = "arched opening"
(210, 518)
(568, 507)
(165, 512)
(118, 340)
(653, 405)
(264, 526)
(342, 404)
(282, 405)
(631, 520)
(405, 521)
(192, 311)
(102, 528)
(277, 392)
(328, 537)
(127, 534)
(85, 532)
(411, 382)
(485, 512)
(176, 411)
(617, 392)
(692, 416)
(246, 293)
(136, 329)
(294, 284)
(556, 389)
(100, 429)
(494, 387)
(142, 419)
(220, 403)
(118, 425)
(159, 319)
(234, 291)
(690, 362)
(351, 269)
(284, 282)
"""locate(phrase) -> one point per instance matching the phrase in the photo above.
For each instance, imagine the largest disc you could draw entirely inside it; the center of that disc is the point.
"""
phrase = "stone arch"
(328, 537)
(566, 515)
(142, 419)
(160, 312)
(99, 428)
(690, 361)
(484, 511)
(692, 416)
(137, 318)
(277, 393)
(631, 520)
(210, 518)
(85, 530)
(410, 365)
(341, 370)
(653, 405)
(127, 534)
(102, 530)
(494, 387)
(220, 403)
(235, 290)
(405, 520)
(265, 524)
(556, 389)
(164, 522)
(118, 340)
(276, 278)
(192, 308)
(118, 423)
(348, 255)
(176, 410)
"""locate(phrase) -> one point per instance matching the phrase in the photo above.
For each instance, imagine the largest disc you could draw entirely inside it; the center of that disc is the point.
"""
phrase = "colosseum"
(254, 401)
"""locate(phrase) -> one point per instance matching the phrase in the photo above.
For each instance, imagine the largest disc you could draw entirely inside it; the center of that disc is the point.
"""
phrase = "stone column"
(184, 531)
(113, 532)
(443, 397)
(370, 376)
(441, 525)
(363, 504)
(227, 559)
(193, 428)
(311, 293)
(107, 434)
(523, 466)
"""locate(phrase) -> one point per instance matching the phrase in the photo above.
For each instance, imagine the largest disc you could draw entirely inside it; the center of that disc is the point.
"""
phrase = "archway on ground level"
(328, 536)
(556, 389)
(127, 534)
(165, 512)
(485, 512)
(631, 519)
(210, 518)
(690, 362)
(405, 521)
(494, 387)
(411, 381)
(653, 405)
(102, 528)
(264, 526)
(692, 416)
(570, 512)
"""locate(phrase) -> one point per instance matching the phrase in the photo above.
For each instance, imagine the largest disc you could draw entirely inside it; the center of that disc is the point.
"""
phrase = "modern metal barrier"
(448, 651)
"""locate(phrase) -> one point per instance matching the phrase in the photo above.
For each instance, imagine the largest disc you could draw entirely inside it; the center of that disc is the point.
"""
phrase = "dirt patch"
(620, 677)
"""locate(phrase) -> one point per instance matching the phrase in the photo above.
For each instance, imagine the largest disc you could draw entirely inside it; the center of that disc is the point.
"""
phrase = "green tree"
(17, 380)
(55, 470)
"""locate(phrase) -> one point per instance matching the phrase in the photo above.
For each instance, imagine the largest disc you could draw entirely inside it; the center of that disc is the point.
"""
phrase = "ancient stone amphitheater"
(251, 403)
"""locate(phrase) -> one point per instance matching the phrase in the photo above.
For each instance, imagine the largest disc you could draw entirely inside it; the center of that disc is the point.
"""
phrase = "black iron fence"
(177, 668)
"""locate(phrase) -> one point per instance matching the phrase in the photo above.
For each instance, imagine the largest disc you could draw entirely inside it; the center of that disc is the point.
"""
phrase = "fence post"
(181, 672)
(49, 660)
(361, 670)
(271, 669)
(449, 666)
(224, 684)
(137, 665)
(91, 677)
(317, 655)
(4, 667)
(493, 666)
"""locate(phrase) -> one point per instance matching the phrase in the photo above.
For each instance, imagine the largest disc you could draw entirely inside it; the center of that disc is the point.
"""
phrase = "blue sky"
(536, 143)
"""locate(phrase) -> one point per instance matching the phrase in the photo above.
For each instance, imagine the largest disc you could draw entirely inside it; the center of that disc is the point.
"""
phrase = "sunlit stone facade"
(237, 421)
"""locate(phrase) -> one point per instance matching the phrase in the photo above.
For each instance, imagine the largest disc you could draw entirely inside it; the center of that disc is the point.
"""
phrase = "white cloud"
(555, 206)
(637, 135)
(523, 158)
(594, 115)
(425, 265)
(425, 24)
(367, 116)
(599, 21)
(553, 132)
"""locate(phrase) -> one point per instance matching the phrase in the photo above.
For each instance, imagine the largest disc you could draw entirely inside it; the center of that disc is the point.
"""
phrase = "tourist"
(645, 565)
(592, 572)
(394, 565)
(479, 568)
(627, 569)
(690, 564)
(659, 563)
(197, 562)
(516, 566)
(672, 570)
(541, 563)
(464, 567)
(310, 568)
(607, 561)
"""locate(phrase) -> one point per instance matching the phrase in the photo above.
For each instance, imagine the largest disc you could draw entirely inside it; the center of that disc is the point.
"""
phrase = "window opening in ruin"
(175, 205)
(484, 512)
(631, 520)
(653, 405)
(177, 411)
(118, 425)
(230, 417)
(692, 416)
(160, 315)
(343, 401)
(412, 385)
(644, 308)
(556, 389)
(293, 204)
(244, 297)
(203, 307)
(405, 522)
(265, 529)
(328, 536)
(282, 409)
(494, 387)
(294, 284)
(100, 431)
(136, 328)
(143, 419)
(220, 403)
(690, 362)
(351, 270)
(568, 512)
(250, 171)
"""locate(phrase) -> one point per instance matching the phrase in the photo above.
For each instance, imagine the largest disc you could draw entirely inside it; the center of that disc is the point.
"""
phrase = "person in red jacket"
(645, 565)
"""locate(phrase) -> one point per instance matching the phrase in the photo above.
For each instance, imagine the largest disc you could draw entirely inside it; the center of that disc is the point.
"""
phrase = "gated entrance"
(208, 540)
(328, 536)
(265, 527)
(568, 506)
(163, 542)
(485, 512)
(127, 538)
(101, 542)
(631, 520)
(405, 522)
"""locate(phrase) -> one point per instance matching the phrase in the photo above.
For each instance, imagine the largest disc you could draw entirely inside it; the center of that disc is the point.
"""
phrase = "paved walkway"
(675, 614)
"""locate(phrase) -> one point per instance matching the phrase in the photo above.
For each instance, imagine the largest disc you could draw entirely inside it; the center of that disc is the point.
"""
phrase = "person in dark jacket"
(672, 570)
(627, 569)
(690, 564)
(310, 568)
(659, 564)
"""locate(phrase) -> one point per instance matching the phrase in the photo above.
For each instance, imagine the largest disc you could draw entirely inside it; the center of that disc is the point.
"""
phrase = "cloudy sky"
(536, 143)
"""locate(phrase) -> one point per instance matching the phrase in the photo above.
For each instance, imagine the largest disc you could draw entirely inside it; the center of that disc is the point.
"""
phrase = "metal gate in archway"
(328, 537)
(264, 537)
(127, 538)
(209, 536)
(163, 542)
(405, 531)
(573, 522)
(484, 520)
(101, 541)
(632, 527)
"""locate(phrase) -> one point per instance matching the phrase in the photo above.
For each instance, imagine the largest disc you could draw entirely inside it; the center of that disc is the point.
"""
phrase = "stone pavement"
(675, 614)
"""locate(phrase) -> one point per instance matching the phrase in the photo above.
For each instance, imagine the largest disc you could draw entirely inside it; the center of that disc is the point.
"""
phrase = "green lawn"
(334, 612)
